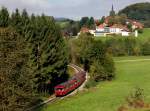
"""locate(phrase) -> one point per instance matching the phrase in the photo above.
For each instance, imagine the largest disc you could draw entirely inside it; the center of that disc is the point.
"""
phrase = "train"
(70, 85)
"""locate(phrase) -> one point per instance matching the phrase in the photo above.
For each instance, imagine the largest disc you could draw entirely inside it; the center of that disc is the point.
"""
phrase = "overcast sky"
(69, 8)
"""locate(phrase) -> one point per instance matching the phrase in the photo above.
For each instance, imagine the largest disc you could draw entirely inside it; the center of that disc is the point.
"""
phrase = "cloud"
(68, 8)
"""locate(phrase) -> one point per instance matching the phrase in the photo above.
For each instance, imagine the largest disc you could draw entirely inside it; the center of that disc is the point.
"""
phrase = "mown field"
(108, 96)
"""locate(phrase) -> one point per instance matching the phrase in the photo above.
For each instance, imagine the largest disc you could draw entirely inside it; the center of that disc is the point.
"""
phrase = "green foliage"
(97, 72)
(123, 46)
(92, 54)
(17, 91)
(118, 19)
(91, 83)
(91, 23)
(109, 95)
(4, 17)
(146, 48)
(87, 22)
(79, 47)
(102, 20)
(48, 56)
(84, 22)
(137, 94)
(102, 67)
(15, 21)
(138, 11)
(45, 63)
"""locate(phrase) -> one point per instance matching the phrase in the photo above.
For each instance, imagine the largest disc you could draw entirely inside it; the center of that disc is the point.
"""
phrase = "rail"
(53, 99)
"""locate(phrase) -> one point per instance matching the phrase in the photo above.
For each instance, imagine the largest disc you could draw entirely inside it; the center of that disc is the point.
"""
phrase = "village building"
(104, 29)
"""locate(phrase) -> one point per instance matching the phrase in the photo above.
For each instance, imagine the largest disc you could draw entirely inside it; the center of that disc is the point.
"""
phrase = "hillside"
(108, 96)
(138, 11)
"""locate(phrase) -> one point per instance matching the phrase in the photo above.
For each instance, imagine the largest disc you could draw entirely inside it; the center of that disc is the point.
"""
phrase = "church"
(111, 27)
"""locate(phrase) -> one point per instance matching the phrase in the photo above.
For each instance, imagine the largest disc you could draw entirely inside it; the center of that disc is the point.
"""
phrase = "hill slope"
(138, 11)
(108, 96)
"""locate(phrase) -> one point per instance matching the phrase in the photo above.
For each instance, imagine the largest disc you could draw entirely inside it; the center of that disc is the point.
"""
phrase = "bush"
(146, 48)
(122, 46)
(115, 47)
(97, 72)
(109, 67)
(91, 83)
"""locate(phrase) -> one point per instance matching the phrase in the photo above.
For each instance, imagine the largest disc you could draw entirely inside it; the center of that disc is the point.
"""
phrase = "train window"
(59, 89)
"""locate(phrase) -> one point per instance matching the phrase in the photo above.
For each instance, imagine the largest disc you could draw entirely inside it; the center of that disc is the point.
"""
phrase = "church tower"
(112, 12)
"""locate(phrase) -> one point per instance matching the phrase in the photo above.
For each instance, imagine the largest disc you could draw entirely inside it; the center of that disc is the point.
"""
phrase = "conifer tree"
(48, 53)
(16, 83)
(16, 21)
(4, 17)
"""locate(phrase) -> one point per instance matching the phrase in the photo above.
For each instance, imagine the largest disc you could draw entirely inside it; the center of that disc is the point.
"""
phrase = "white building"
(100, 28)
(125, 33)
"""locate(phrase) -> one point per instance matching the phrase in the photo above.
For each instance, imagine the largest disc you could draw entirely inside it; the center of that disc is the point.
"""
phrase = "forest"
(138, 11)
(34, 56)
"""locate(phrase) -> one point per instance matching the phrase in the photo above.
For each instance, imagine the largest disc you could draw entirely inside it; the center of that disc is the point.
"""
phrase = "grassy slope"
(108, 96)
(145, 34)
(62, 24)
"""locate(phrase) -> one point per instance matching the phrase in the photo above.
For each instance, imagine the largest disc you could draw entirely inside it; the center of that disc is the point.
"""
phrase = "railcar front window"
(59, 89)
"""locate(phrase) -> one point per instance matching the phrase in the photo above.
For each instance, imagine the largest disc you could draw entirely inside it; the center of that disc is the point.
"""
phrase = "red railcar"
(73, 83)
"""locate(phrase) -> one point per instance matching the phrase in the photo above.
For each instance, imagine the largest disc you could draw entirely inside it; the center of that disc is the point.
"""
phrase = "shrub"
(90, 83)
(122, 46)
(97, 71)
(146, 48)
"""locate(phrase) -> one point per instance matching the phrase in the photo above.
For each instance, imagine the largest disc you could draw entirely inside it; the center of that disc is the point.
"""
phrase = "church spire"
(112, 9)
(112, 12)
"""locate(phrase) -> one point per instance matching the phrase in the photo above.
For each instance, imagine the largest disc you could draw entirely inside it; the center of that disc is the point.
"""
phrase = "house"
(100, 28)
(115, 29)
(99, 33)
(125, 32)
(135, 24)
(84, 30)
(110, 28)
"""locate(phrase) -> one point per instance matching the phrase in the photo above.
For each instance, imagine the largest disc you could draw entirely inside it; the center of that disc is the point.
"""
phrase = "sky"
(74, 9)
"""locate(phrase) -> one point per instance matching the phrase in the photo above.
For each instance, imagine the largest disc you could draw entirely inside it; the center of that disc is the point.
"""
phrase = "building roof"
(136, 23)
(107, 19)
(117, 26)
(84, 30)
(101, 26)
(124, 28)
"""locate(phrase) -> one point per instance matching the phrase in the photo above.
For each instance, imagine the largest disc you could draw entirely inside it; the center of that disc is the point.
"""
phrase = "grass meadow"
(109, 95)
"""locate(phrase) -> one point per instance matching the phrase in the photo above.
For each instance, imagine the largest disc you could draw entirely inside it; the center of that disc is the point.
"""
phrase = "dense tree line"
(16, 81)
(138, 11)
(87, 22)
(71, 27)
(33, 57)
(128, 46)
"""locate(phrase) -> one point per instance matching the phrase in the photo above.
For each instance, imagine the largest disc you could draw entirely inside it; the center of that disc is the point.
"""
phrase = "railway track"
(54, 99)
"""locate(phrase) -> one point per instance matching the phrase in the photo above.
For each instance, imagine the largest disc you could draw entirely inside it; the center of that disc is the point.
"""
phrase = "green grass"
(145, 35)
(130, 58)
(108, 96)
(63, 24)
